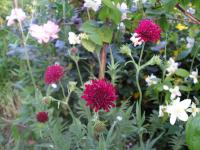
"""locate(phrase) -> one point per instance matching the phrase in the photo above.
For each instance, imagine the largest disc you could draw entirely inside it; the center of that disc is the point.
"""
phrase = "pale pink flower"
(51, 29)
(44, 33)
(17, 14)
(38, 32)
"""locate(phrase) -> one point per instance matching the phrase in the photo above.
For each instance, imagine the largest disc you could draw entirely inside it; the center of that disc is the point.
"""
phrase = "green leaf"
(95, 37)
(106, 34)
(88, 45)
(163, 23)
(185, 88)
(182, 73)
(193, 132)
(108, 3)
(88, 27)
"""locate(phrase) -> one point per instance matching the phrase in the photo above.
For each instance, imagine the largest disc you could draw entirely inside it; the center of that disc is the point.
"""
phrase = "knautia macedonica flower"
(147, 31)
(100, 94)
(42, 117)
(53, 74)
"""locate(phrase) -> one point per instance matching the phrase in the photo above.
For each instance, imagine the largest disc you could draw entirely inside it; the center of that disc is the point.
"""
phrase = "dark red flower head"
(148, 31)
(53, 74)
(100, 94)
(42, 116)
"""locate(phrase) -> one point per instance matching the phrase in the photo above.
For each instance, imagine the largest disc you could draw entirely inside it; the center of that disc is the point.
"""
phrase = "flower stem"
(79, 73)
(141, 54)
(88, 13)
(27, 55)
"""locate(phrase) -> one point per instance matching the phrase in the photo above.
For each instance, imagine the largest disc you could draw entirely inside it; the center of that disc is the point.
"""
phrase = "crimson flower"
(100, 94)
(53, 74)
(148, 31)
(42, 117)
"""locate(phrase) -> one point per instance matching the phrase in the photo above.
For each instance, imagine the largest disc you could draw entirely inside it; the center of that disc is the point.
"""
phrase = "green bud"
(99, 127)
(125, 50)
(72, 85)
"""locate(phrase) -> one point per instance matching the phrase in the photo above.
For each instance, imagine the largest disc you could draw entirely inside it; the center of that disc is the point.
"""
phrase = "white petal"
(185, 103)
(173, 119)
(182, 116)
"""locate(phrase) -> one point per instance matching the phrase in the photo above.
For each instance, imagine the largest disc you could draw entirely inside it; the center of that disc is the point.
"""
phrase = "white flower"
(190, 42)
(73, 38)
(121, 26)
(172, 67)
(194, 76)
(16, 14)
(119, 118)
(177, 110)
(165, 87)
(124, 9)
(54, 85)
(93, 4)
(191, 10)
(151, 80)
(174, 92)
(136, 40)
(162, 110)
(193, 109)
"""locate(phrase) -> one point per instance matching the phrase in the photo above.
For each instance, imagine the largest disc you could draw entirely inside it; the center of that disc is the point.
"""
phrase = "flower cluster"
(44, 33)
(177, 109)
(93, 4)
(152, 79)
(53, 74)
(76, 39)
(17, 14)
(123, 9)
(100, 94)
(147, 31)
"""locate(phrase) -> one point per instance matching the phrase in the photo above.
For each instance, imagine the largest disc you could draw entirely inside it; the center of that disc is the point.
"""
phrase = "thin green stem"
(26, 54)
(67, 104)
(79, 73)
(138, 85)
(63, 90)
(88, 13)
(141, 54)
(191, 66)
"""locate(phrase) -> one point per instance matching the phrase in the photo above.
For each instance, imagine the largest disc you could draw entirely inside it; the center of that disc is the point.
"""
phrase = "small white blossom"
(137, 41)
(121, 27)
(191, 10)
(73, 38)
(93, 4)
(162, 110)
(190, 42)
(172, 67)
(54, 85)
(174, 92)
(193, 109)
(194, 76)
(119, 118)
(152, 79)
(177, 110)
(165, 87)
(124, 9)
